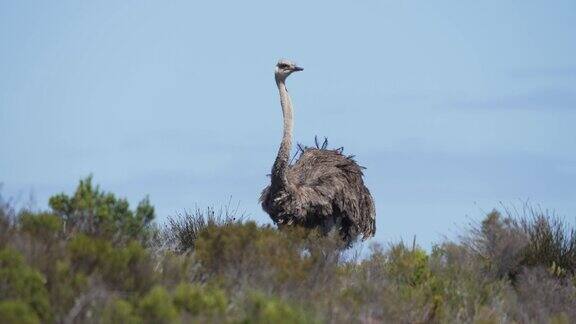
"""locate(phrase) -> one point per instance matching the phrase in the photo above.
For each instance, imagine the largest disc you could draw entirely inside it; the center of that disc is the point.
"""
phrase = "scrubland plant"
(90, 258)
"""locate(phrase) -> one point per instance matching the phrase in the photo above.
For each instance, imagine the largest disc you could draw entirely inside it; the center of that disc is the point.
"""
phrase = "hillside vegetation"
(90, 258)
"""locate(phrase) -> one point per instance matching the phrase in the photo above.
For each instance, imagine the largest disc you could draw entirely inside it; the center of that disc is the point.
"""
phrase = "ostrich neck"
(283, 157)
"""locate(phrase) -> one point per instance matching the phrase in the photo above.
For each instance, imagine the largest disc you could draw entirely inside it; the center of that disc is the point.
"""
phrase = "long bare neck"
(283, 157)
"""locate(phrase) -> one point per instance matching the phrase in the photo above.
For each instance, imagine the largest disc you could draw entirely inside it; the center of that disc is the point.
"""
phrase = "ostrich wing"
(327, 183)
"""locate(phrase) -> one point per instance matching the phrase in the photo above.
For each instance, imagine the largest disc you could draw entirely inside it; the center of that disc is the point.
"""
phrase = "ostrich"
(323, 189)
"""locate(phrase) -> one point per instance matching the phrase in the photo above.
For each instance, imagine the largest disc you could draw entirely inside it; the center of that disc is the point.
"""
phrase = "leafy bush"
(97, 213)
(119, 311)
(91, 259)
(408, 266)
(157, 307)
(267, 309)
(246, 254)
(65, 286)
(14, 311)
(44, 227)
(7, 215)
(124, 267)
(20, 282)
(198, 300)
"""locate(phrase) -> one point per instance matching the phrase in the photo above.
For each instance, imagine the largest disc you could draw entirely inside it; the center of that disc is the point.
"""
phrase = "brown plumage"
(324, 189)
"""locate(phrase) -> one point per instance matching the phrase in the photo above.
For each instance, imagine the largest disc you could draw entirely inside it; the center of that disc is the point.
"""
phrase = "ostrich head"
(284, 68)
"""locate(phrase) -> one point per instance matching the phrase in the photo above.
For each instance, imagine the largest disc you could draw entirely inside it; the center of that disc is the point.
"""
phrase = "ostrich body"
(323, 189)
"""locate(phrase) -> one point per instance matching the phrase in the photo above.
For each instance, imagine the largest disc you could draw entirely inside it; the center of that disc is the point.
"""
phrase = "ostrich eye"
(283, 65)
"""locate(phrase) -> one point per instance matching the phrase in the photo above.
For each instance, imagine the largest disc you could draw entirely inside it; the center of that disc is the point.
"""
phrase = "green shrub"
(157, 307)
(40, 235)
(19, 281)
(125, 267)
(17, 312)
(409, 266)
(198, 300)
(44, 227)
(92, 259)
(6, 221)
(119, 311)
(97, 213)
(65, 285)
(460, 288)
(247, 251)
(268, 309)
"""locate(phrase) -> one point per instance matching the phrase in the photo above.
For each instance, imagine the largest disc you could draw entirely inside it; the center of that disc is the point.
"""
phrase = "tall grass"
(182, 231)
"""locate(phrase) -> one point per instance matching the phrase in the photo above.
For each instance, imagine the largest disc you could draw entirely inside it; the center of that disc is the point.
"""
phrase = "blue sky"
(452, 106)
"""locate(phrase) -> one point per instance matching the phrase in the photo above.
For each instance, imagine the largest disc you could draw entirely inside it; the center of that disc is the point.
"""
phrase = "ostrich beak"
(297, 68)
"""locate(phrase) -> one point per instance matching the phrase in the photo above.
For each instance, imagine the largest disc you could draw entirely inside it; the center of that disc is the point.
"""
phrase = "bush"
(157, 307)
(97, 213)
(124, 267)
(499, 243)
(44, 227)
(507, 245)
(409, 266)
(7, 215)
(542, 296)
(17, 312)
(267, 309)
(551, 243)
(183, 231)
(92, 259)
(65, 286)
(20, 282)
(198, 300)
(248, 254)
(119, 311)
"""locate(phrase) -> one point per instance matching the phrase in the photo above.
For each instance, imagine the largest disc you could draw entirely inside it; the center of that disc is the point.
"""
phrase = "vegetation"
(90, 258)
